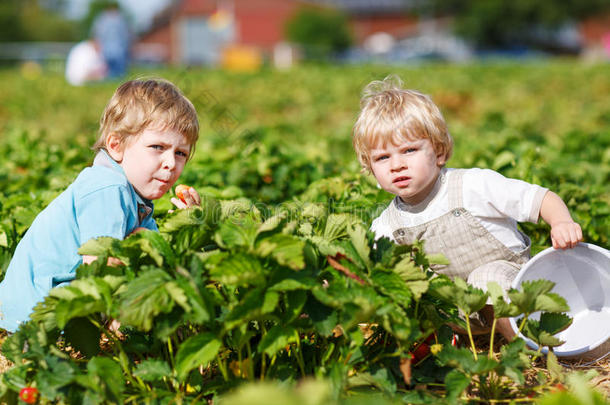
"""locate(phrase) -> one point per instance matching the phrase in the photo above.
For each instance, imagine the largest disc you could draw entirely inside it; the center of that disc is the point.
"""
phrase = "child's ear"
(441, 159)
(114, 146)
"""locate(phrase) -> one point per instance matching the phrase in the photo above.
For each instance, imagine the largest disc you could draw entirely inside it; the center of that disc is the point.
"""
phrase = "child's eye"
(410, 150)
(157, 147)
(382, 157)
(182, 154)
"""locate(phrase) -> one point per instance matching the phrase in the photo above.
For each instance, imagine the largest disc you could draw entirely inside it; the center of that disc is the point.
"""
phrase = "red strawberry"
(29, 395)
(181, 189)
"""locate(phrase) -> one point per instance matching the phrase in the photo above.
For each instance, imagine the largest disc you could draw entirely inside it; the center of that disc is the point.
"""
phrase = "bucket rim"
(517, 282)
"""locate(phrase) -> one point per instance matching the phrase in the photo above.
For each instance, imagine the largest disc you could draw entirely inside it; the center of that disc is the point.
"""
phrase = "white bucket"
(581, 276)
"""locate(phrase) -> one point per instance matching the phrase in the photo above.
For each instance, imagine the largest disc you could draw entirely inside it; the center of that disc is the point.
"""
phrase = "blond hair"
(147, 103)
(391, 114)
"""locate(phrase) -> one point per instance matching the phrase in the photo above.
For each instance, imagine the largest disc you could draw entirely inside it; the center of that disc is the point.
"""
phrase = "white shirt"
(496, 201)
(84, 63)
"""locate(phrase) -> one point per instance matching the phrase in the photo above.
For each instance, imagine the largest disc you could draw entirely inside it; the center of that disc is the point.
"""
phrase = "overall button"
(456, 213)
(401, 232)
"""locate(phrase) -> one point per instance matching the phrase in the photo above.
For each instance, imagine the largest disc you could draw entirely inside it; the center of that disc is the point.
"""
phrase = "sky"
(141, 10)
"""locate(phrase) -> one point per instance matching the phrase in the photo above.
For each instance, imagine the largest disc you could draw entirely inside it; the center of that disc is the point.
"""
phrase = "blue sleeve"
(109, 211)
(149, 223)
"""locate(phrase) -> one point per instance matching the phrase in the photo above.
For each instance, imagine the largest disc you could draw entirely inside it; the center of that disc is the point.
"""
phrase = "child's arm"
(565, 233)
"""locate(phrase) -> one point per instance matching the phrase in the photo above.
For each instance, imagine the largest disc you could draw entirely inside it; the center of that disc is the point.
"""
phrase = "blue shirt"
(100, 202)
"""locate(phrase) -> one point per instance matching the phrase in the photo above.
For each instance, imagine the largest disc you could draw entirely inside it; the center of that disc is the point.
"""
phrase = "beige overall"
(474, 254)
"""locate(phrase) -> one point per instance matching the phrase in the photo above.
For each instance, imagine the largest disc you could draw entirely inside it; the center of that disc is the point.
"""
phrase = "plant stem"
(474, 349)
(491, 339)
(300, 355)
(523, 322)
(222, 367)
(251, 362)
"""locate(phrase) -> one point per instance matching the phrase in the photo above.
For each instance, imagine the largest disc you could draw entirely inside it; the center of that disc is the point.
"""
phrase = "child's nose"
(397, 163)
(169, 161)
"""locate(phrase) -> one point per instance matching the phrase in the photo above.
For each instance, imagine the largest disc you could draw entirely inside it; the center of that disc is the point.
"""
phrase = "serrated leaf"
(101, 246)
(502, 309)
(236, 234)
(555, 369)
(359, 241)
(336, 226)
(554, 323)
(455, 383)
(238, 269)
(294, 302)
(157, 247)
(392, 285)
(287, 250)
(270, 301)
(413, 276)
(525, 299)
(276, 339)
(107, 377)
(152, 370)
(195, 351)
(271, 224)
(551, 302)
(145, 297)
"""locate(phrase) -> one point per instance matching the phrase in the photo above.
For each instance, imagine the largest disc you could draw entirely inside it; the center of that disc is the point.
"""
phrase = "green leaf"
(392, 285)
(152, 370)
(108, 377)
(555, 369)
(551, 302)
(412, 275)
(471, 299)
(525, 299)
(253, 305)
(359, 241)
(287, 250)
(336, 225)
(460, 358)
(101, 246)
(145, 297)
(235, 234)
(554, 323)
(195, 351)
(271, 224)
(157, 247)
(295, 300)
(455, 384)
(270, 301)
(502, 309)
(276, 339)
(238, 269)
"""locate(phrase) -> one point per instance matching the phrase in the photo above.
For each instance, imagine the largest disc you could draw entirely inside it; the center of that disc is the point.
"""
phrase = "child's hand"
(187, 197)
(566, 235)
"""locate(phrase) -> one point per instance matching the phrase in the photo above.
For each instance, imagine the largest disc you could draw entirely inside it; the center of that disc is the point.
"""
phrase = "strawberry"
(29, 395)
(181, 189)
(421, 352)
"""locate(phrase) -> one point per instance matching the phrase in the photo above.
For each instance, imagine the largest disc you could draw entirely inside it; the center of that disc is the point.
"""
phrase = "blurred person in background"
(85, 63)
(111, 31)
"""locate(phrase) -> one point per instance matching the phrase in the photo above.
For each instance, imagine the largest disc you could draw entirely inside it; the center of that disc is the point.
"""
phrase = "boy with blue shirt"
(147, 133)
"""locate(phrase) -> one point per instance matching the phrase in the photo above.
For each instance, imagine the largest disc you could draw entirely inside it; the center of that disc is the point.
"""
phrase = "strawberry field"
(273, 291)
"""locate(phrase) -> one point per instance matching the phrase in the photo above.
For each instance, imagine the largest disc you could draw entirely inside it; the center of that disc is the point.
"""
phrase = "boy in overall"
(468, 215)
(147, 133)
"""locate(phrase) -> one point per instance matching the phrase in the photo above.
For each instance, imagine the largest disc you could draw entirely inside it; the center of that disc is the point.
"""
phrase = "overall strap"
(454, 189)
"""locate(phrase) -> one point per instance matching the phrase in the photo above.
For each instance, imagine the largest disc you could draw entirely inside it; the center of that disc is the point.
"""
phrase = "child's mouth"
(401, 181)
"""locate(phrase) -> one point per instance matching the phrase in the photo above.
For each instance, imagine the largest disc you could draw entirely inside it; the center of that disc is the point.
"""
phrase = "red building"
(195, 31)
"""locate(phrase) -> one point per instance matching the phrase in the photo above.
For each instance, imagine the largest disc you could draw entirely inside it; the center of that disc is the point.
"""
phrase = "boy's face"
(408, 169)
(152, 161)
